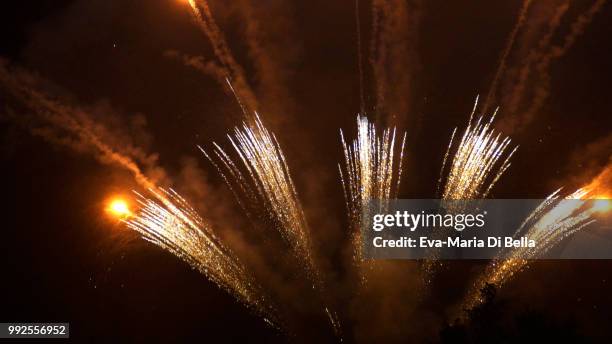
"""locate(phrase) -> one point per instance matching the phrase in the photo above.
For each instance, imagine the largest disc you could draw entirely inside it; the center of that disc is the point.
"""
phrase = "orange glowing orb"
(119, 208)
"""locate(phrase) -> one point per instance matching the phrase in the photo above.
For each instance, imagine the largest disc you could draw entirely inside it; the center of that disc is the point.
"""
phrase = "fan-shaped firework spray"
(474, 169)
(553, 220)
(171, 223)
(268, 180)
(265, 179)
(475, 166)
(372, 172)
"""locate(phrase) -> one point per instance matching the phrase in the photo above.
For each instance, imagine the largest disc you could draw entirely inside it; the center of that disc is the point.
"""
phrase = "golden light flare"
(119, 208)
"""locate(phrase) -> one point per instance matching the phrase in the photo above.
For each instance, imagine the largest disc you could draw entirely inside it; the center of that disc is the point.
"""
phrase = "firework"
(119, 208)
(553, 220)
(476, 167)
(266, 178)
(372, 172)
(171, 223)
(203, 17)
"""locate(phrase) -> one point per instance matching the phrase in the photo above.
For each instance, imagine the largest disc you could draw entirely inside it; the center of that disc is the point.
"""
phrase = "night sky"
(66, 260)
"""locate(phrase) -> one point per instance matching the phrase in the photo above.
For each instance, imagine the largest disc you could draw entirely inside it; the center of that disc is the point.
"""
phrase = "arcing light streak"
(372, 172)
(169, 222)
(553, 220)
(267, 180)
(474, 168)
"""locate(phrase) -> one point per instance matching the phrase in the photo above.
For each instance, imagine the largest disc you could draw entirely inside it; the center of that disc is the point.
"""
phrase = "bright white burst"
(373, 167)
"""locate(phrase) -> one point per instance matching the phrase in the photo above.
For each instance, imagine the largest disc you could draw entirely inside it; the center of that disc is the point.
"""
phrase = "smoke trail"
(393, 61)
(204, 18)
(372, 171)
(513, 100)
(79, 130)
(210, 68)
(542, 56)
(269, 35)
(167, 220)
(543, 90)
(359, 58)
(504, 56)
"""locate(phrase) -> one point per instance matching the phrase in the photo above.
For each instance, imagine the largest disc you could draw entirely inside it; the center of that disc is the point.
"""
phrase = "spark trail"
(166, 220)
(476, 165)
(555, 219)
(169, 222)
(266, 178)
(205, 20)
(475, 168)
(263, 160)
(258, 149)
(372, 171)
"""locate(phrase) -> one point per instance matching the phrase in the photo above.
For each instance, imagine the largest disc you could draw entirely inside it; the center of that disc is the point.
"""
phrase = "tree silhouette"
(490, 322)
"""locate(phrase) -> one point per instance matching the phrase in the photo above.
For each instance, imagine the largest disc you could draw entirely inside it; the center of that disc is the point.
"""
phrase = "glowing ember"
(119, 208)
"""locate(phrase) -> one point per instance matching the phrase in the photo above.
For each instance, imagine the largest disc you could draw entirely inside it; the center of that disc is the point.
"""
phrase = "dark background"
(64, 260)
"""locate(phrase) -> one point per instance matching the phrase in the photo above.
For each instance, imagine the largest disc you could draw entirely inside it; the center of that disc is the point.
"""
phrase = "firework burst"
(553, 220)
(266, 178)
(171, 223)
(372, 172)
(476, 165)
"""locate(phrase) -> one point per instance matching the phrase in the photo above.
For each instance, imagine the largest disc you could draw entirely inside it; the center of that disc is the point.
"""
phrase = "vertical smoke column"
(393, 56)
